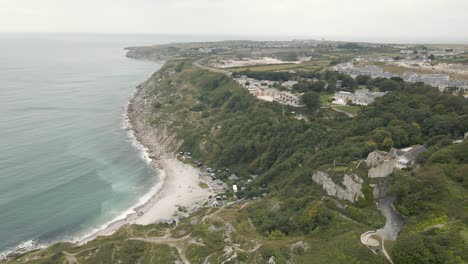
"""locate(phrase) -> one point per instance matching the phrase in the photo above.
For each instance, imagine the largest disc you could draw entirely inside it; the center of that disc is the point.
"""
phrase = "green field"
(324, 99)
(312, 65)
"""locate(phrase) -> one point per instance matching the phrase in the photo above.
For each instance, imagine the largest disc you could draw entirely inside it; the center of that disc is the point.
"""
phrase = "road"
(217, 70)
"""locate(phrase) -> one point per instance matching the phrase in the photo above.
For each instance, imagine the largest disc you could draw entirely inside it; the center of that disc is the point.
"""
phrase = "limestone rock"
(382, 164)
(351, 182)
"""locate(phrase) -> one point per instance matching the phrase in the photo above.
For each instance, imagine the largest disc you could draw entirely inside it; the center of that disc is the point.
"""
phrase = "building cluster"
(263, 90)
(360, 97)
(441, 81)
(369, 70)
(383, 163)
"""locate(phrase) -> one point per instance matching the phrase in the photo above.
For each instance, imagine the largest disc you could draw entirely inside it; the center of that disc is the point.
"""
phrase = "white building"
(406, 51)
(360, 97)
(406, 157)
(289, 84)
(381, 164)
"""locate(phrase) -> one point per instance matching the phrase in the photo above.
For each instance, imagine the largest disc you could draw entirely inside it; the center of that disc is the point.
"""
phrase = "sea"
(68, 166)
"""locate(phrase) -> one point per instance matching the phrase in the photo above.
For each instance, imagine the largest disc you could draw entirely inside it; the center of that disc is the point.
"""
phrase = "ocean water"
(67, 165)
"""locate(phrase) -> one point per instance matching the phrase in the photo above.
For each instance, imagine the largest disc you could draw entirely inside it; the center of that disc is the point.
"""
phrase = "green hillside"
(283, 214)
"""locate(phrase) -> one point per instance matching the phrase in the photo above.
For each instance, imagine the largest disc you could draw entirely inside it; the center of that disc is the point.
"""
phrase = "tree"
(301, 86)
(318, 86)
(363, 79)
(311, 100)
(389, 85)
(413, 250)
(397, 79)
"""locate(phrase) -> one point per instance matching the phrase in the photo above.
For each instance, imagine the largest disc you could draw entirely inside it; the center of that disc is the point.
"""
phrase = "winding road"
(393, 224)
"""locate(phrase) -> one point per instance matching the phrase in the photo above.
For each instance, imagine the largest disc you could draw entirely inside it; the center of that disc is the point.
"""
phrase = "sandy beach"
(179, 188)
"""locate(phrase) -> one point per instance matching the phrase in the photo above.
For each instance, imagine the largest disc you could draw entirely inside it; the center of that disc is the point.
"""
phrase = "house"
(381, 163)
(360, 97)
(407, 51)
(435, 78)
(289, 84)
(406, 157)
(234, 188)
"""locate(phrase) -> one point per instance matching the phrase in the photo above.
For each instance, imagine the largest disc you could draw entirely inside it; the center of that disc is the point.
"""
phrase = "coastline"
(178, 187)
(173, 197)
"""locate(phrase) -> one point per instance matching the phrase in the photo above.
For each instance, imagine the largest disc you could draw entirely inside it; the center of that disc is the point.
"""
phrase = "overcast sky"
(368, 20)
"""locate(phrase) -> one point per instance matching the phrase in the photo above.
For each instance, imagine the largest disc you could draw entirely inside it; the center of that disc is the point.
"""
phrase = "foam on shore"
(129, 215)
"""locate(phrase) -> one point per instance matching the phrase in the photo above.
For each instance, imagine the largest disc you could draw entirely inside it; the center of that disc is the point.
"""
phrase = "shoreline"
(179, 182)
(178, 185)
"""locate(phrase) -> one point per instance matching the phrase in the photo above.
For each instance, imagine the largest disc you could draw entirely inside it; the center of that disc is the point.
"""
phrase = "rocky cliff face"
(158, 138)
(381, 164)
(350, 191)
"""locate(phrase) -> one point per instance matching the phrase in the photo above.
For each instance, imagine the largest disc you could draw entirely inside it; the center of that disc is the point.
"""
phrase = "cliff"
(156, 136)
(350, 191)
(381, 164)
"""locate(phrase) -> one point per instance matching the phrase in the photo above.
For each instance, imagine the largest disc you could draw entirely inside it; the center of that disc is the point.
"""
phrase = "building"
(441, 81)
(369, 70)
(289, 84)
(360, 97)
(435, 78)
(407, 51)
(381, 163)
(406, 157)
(262, 91)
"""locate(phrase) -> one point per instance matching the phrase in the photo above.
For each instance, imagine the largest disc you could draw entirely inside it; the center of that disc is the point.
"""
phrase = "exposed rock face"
(382, 164)
(352, 186)
(159, 139)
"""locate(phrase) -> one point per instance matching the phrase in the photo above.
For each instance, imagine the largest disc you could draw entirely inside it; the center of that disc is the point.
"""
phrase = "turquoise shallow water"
(67, 166)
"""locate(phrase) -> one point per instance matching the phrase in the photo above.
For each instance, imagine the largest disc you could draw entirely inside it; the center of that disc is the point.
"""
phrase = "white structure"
(406, 157)
(360, 97)
(441, 81)
(406, 51)
(262, 91)
(289, 84)
(381, 164)
(234, 188)
(369, 70)
(434, 78)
